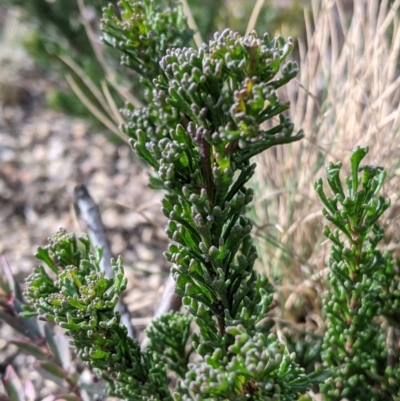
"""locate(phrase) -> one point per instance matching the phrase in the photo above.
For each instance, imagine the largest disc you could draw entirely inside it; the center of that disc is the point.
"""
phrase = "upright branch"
(221, 93)
(364, 289)
(199, 131)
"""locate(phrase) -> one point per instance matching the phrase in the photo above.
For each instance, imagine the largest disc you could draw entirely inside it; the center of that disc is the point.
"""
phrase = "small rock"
(7, 153)
(79, 129)
(144, 253)
(110, 218)
(118, 244)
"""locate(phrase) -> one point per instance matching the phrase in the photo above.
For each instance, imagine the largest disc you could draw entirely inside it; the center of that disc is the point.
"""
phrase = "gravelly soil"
(43, 156)
(43, 159)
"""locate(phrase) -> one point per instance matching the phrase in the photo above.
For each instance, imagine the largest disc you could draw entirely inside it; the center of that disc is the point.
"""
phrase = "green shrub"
(363, 301)
(201, 123)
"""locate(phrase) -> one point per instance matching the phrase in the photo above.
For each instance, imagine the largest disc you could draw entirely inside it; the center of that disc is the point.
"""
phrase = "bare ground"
(43, 156)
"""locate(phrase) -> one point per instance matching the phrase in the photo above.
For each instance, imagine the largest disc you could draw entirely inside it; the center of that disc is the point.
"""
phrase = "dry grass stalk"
(108, 71)
(347, 94)
(254, 16)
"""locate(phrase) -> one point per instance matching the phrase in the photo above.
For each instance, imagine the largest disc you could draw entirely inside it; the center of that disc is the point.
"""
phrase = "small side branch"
(90, 214)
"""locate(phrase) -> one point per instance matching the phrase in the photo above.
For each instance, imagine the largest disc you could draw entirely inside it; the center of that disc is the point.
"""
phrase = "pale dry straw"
(347, 94)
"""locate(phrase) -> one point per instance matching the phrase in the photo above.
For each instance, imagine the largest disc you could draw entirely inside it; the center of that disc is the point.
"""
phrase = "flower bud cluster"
(168, 339)
(258, 367)
(205, 111)
(201, 127)
(228, 88)
(144, 32)
(198, 132)
(81, 300)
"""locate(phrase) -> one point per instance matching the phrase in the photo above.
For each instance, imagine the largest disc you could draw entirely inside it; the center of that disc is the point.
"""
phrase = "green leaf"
(13, 385)
(15, 322)
(68, 397)
(52, 372)
(156, 183)
(320, 375)
(43, 255)
(31, 349)
(357, 155)
(7, 279)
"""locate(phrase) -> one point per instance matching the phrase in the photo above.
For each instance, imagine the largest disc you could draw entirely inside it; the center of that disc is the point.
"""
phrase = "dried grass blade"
(254, 16)
(117, 115)
(125, 94)
(100, 58)
(93, 109)
(192, 24)
(87, 81)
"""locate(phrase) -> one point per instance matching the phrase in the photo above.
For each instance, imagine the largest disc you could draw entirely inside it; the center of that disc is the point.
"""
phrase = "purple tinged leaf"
(13, 385)
(18, 291)
(7, 280)
(49, 397)
(3, 397)
(30, 393)
(31, 349)
(63, 350)
(32, 328)
(48, 333)
(67, 397)
(53, 369)
(84, 395)
(15, 322)
(52, 372)
(94, 388)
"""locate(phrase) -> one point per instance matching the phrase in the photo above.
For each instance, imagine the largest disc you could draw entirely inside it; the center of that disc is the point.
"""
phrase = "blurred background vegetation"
(63, 37)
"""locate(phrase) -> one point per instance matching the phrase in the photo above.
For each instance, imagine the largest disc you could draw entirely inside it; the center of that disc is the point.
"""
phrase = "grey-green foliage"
(201, 126)
(55, 360)
(144, 31)
(255, 367)
(82, 301)
(174, 330)
(362, 306)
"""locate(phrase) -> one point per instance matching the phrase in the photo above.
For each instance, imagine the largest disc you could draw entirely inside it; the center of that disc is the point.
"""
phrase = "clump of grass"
(347, 94)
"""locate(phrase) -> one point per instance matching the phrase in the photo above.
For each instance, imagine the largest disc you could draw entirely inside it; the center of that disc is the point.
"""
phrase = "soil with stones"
(43, 156)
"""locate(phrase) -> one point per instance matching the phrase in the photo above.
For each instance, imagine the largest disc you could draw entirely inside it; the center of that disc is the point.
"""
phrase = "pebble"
(42, 158)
